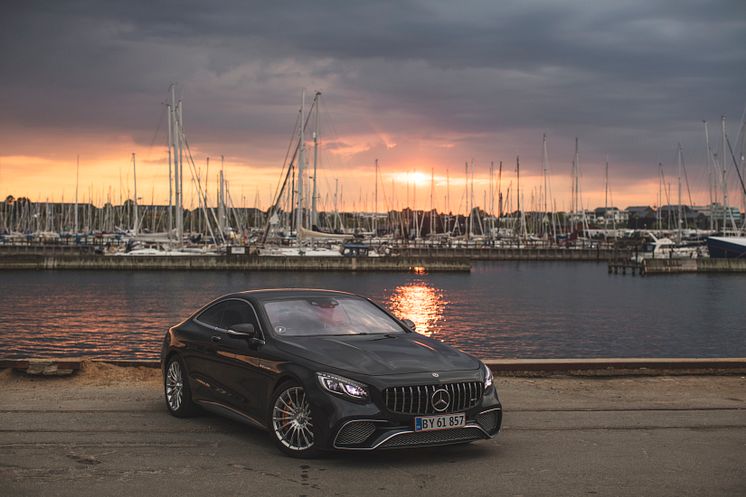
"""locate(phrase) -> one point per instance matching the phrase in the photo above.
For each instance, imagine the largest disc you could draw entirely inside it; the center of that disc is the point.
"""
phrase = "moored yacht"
(727, 247)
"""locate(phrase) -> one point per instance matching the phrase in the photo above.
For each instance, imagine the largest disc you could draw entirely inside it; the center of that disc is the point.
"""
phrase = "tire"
(291, 421)
(176, 389)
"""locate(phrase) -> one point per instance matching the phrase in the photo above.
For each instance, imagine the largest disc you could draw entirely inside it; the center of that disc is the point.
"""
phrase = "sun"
(416, 178)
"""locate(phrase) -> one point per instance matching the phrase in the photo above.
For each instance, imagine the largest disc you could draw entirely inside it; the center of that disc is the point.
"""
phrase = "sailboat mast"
(680, 219)
(77, 181)
(432, 205)
(314, 211)
(205, 191)
(518, 196)
(221, 197)
(375, 201)
(336, 205)
(448, 191)
(177, 166)
(500, 191)
(466, 199)
(301, 167)
(544, 167)
(710, 175)
(134, 176)
(575, 182)
(606, 186)
(170, 172)
(447, 226)
(471, 198)
(492, 197)
(725, 175)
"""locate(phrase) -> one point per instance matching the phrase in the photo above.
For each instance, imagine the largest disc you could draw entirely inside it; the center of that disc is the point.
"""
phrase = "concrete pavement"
(105, 431)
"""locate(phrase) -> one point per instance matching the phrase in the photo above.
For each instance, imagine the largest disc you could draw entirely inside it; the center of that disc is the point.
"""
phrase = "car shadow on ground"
(258, 439)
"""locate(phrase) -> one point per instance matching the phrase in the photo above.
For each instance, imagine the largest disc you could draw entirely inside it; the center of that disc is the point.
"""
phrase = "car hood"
(377, 355)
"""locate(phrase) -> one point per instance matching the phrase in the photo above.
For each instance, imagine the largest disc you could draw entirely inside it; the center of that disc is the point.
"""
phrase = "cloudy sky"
(420, 85)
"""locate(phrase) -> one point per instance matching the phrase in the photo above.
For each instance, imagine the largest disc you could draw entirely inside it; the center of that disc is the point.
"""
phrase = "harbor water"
(499, 310)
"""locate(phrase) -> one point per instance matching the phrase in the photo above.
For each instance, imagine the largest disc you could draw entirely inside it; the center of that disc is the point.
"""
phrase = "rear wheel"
(291, 421)
(176, 389)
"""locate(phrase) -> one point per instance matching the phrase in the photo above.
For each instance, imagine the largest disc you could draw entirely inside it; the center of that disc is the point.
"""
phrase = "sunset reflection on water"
(497, 310)
(420, 302)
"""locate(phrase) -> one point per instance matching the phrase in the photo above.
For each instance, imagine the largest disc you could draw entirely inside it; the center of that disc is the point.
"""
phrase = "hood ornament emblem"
(440, 400)
(435, 375)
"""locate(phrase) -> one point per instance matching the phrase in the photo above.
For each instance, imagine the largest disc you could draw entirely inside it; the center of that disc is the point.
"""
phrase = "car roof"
(287, 292)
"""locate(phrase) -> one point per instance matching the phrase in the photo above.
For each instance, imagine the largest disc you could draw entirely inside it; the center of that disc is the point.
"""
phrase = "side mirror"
(409, 324)
(242, 330)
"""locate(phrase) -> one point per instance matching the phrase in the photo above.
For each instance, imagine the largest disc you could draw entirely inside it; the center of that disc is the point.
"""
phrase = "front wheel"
(176, 389)
(291, 421)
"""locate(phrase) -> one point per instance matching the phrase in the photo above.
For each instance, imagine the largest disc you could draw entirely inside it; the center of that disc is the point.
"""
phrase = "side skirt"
(231, 413)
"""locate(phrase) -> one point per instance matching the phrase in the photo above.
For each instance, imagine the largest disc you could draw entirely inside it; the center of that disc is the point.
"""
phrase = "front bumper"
(360, 434)
(349, 425)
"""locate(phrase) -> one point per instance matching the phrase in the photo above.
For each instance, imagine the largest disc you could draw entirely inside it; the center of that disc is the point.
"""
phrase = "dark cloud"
(630, 78)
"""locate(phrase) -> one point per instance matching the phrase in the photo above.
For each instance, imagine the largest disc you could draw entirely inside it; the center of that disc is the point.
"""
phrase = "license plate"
(444, 422)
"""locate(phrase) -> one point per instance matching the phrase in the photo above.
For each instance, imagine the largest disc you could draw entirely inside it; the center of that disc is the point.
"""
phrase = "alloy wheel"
(174, 386)
(291, 420)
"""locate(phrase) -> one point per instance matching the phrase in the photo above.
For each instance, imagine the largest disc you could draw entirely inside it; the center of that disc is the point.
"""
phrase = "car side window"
(212, 315)
(235, 312)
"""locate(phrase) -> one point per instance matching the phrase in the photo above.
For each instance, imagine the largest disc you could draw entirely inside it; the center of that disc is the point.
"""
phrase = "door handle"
(216, 338)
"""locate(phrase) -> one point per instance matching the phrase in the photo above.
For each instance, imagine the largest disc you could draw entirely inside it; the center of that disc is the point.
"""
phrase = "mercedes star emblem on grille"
(440, 399)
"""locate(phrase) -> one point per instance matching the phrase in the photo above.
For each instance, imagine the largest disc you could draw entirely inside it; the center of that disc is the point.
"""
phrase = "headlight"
(343, 386)
(487, 376)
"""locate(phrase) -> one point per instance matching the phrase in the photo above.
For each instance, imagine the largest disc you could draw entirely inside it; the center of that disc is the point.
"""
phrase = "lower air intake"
(489, 421)
(355, 433)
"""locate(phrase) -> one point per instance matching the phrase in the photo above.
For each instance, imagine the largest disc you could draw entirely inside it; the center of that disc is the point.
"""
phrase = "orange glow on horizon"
(106, 175)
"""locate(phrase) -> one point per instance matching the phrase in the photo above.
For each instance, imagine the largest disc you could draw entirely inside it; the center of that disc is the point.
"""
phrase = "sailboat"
(289, 231)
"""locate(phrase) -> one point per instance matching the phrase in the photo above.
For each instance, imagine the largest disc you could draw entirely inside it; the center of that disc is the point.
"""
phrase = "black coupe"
(324, 370)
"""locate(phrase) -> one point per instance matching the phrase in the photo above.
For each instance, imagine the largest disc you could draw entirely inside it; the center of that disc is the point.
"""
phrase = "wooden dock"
(624, 265)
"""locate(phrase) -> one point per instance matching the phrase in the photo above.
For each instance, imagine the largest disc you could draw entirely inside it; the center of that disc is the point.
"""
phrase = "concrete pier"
(667, 266)
(235, 263)
(516, 253)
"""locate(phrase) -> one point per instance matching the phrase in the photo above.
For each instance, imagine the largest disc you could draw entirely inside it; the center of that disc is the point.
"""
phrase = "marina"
(373, 248)
(298, 222)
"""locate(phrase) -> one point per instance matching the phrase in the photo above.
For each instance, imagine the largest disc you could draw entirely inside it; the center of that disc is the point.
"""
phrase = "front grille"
(355, 433)
(433, 438)
(488, 420)
(417, 399)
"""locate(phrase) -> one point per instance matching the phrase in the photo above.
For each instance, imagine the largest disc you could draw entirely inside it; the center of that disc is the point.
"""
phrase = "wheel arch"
(175, 353)
(282, 380)
(169, 355)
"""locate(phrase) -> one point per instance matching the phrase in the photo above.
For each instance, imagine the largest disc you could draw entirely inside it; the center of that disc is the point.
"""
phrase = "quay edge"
(602, 367)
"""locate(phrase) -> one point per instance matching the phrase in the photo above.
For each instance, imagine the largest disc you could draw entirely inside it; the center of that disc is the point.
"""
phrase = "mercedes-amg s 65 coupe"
(326, 370)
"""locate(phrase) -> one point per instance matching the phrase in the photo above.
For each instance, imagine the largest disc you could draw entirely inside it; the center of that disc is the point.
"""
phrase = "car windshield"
(313, 316)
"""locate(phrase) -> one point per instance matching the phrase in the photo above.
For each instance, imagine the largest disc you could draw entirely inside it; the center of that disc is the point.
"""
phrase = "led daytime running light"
(342, 386)
(488, 378)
